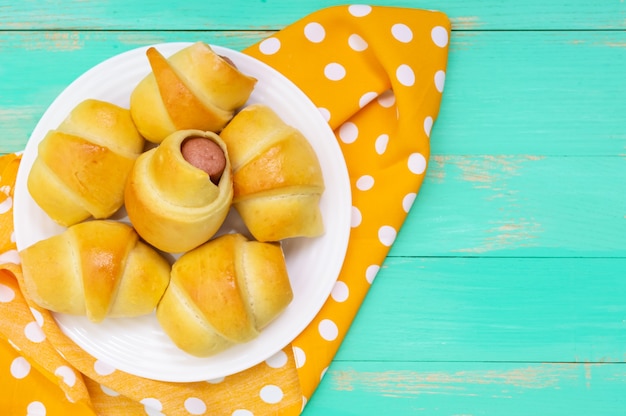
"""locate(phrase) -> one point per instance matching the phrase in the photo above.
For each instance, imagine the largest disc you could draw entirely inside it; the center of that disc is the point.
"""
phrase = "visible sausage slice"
(229, 61)
(206, 155)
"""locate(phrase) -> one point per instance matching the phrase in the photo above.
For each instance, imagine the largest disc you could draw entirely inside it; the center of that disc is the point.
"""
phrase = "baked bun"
(224, 293)
(97, 268)
(195, 88)
(82, 166)
(277, 177)
(174, 205)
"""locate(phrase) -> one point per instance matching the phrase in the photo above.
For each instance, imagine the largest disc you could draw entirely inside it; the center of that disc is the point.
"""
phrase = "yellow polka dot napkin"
(377, 75)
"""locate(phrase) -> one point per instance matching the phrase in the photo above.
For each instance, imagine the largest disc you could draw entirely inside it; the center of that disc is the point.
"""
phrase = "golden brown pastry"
(82, 166)
(223, 293)
(277, 177)
(97, 268)
(173, 204)
(195, 88)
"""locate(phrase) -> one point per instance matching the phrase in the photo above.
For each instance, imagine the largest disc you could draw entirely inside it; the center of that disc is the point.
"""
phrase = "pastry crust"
(224, 293)
(96, 268)
(277, 177)
(81, 167)
(172, 204)
(195, 88)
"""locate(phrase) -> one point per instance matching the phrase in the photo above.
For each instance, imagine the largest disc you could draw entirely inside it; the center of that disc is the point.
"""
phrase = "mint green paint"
(504, 293)
(502, 205)
(538, 93)
(274, 14)
(493, 309)
(471, 389)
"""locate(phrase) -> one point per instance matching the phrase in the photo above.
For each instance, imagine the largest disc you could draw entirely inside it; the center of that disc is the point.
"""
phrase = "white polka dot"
(314, 32)
(36, 409)
(103, 368)
(359, 10)
(152, 406)
(34, 333)
(366, 98)
(381, 143)
(6, 205)
(271, 394)
(417, 163)
(242, 412)
(348, 132)
(407, 201)
(405, 75)
(439, 34)
(357, 43)
(365, 183)
(387, 99)
(325, 113)
(402, 32)
(440, 80)
(20, 367)
(14, 345)
(269, 46)
(304, 402)
(108, 391)
(277, 360)
(323, 373)
(216, 380)
(69, 398)
(386, 235)
(6, 294)
(38, 316)
(299, 356)
(371, 272)
(428, 125)
(67, 374)
(340, 291)
(11, 256)
(334, 71)
(356, 218)
(328, 330)
(195, 406)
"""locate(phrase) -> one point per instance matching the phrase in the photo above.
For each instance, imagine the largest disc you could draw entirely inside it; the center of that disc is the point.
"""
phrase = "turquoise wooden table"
(505, 291)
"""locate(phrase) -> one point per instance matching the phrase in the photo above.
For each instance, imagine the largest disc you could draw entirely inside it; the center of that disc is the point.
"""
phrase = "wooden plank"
(518, 205)
(470, 389)
(543, 93)
(492, 309)
(569, 102)
(274, 14)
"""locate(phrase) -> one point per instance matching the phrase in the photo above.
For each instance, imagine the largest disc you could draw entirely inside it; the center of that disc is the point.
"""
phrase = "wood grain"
(518, 205)
(274, 14)
(492, 309)
(470, 389)
(534, 92)
(551, 108)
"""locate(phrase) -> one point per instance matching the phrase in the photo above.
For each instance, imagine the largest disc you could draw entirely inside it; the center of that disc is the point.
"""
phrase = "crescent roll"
(224, 293)
(277, 177)
(173, 204)
(195, 88)
(82, 166)
(96, 268)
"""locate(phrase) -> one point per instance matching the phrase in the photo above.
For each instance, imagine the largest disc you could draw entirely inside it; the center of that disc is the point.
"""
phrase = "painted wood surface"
(505, 291)
(274, 14)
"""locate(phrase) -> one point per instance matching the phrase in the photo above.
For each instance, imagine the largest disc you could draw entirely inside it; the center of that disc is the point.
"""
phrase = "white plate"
(138, 345)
